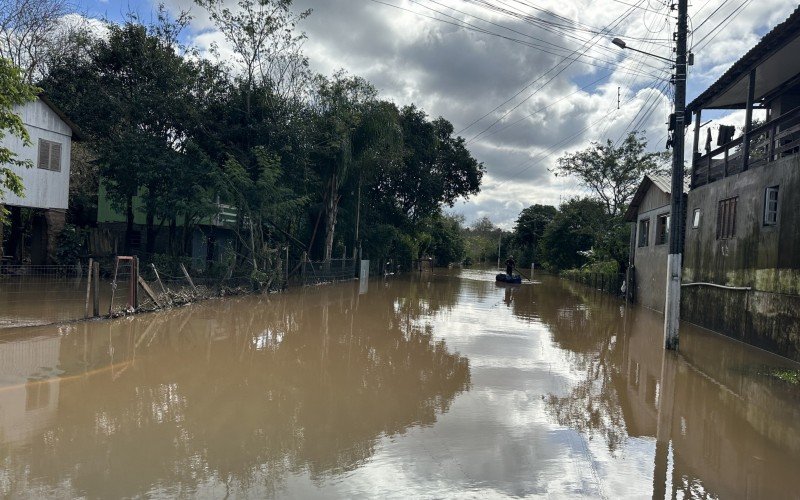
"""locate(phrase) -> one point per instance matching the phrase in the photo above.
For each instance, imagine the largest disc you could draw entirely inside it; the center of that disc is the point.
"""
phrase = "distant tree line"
(319, 163)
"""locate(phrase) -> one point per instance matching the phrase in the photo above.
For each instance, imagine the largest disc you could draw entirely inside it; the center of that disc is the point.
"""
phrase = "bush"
(70, 245)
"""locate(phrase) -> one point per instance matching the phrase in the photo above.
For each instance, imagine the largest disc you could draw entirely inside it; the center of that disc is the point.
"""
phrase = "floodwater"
(427, 386)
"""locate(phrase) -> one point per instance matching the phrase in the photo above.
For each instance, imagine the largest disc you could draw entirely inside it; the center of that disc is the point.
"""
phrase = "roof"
(775, 58)
(76, 132)
(662, 182)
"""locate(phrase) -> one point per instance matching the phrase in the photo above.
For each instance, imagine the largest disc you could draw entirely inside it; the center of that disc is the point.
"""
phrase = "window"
(696, 218)
(771, 206)
(726, 219)
(662, 229)
(49, 155)
(644, 232)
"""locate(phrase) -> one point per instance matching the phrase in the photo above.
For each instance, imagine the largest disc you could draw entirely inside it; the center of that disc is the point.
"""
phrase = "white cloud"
(462, 75)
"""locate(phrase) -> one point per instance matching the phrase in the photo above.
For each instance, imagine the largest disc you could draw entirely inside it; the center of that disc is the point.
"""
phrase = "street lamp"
(673, 292)
(621, 44)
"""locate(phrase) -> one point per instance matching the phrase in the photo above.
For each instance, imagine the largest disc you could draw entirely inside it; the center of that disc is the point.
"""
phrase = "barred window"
(662, 229)
(49, 155)
(771, 206)
(726, 219)
(644, 232)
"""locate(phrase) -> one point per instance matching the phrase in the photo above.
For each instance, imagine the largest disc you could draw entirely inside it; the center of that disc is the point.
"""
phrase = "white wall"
(43, 188)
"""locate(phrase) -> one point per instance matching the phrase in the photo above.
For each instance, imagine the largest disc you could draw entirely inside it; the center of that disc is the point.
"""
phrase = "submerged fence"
(606, 282)
(316, 272)
(38, 295)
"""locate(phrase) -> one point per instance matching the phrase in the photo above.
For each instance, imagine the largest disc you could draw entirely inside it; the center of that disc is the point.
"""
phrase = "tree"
(29, 30)
(528, 231)
(613, 173)
(13, 92)
(262, 33)
(574, 229)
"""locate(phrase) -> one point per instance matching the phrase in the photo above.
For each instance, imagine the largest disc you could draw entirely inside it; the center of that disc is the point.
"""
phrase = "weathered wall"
(43, 188)
(650, 262)
(765, 258)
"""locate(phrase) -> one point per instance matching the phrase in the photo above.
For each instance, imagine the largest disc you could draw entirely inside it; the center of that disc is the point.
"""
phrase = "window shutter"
(44, 154)
(55, 156)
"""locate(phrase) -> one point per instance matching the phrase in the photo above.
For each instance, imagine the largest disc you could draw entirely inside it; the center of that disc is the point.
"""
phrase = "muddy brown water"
(427, 386)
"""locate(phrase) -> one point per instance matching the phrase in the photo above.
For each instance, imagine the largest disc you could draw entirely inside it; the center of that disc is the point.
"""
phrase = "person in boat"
(510, 265)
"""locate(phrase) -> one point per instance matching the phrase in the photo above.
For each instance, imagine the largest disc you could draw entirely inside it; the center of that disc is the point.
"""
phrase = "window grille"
(663, 229)
(644, 232)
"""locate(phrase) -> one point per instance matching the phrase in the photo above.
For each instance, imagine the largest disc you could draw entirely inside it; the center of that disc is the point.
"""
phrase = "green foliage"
(70, 245)
(528, 232)
(313, 164)
(572, 233)
(13, 92)
(613, 173)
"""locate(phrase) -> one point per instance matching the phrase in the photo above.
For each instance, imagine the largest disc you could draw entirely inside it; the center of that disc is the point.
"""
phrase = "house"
(46, 183)
(649, 215)
(210, 237)
(741, 264)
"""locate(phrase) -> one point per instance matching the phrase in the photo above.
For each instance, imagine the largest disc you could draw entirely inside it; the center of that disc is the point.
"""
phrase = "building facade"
(46, 183)
(649, 215)
(741, 265)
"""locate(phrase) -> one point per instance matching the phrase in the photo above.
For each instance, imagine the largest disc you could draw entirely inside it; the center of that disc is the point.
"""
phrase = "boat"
(504, 278)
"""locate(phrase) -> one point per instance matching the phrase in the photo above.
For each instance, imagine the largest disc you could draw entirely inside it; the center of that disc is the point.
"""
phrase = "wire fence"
(33, 295)
(38, 295)
(606, 282)
(316, 272)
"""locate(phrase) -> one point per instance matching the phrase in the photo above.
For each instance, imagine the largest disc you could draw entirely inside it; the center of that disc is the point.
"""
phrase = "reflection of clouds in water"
(268, 339)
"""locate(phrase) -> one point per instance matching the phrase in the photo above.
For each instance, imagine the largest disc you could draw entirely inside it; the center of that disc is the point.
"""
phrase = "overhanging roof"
(662, 182)
(76, 132)
(775, 60)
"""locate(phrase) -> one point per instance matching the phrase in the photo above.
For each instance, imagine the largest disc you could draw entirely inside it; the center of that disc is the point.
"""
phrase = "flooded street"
(432, 386)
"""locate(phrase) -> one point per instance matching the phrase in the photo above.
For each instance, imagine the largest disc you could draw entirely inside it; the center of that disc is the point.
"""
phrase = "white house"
(46, 182)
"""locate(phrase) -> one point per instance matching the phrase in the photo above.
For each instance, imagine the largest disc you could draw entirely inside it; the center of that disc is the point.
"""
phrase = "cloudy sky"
(524, 81)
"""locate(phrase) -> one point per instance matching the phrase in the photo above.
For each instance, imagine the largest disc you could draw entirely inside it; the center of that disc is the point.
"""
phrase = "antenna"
(618, 98)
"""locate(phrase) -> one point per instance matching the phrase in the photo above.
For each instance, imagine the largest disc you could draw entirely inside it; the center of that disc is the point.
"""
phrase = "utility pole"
(672, 307)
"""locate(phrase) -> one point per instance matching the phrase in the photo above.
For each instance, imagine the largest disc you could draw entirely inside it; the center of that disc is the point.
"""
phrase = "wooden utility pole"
(672, 307)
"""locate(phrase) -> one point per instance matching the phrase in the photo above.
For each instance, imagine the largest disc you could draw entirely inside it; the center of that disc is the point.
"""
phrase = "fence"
(606, 282)
(38, 295)
(32, 295)
(316, 272)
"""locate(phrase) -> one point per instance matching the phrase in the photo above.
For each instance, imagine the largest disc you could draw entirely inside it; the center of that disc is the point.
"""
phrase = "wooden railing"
(772, 141)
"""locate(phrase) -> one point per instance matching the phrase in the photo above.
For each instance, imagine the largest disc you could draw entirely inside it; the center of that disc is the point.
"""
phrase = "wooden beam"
(148, 290)
(748, 119)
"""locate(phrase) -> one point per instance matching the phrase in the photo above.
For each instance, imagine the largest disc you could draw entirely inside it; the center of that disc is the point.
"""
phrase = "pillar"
(55, 220)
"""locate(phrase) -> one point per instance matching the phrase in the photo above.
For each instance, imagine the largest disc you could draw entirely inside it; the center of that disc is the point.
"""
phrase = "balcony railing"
(772, 141)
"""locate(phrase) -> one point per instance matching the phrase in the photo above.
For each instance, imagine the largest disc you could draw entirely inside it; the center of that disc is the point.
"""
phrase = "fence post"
(135, 283)
(188, 278)
(88, 286)
(303, 268)
(158, 278)
(96, 294)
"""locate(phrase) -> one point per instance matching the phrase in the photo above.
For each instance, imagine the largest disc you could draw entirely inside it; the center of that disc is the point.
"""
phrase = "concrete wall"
(650, 262)
(43, 188)
(766, 258)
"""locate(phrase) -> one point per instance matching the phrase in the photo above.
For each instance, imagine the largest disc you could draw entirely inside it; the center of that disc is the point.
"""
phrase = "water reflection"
(543, 389)
(232, 395)
(723, 428)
